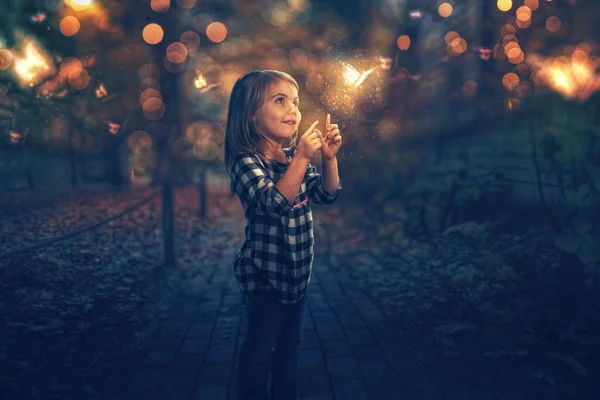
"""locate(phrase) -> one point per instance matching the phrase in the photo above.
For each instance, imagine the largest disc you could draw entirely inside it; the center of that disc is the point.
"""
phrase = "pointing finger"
(313, 126)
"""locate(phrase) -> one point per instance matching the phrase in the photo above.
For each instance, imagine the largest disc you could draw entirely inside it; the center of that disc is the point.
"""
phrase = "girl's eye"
(280, 100)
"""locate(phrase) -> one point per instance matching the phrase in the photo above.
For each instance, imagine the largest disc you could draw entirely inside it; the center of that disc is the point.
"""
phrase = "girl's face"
(278, 117)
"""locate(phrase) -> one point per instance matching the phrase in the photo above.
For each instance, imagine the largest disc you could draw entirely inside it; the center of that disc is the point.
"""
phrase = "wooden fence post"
(168, 225)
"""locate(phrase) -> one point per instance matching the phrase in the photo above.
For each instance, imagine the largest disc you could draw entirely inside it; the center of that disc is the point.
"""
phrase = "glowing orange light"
(216, 32)
(79, 5)
(32, 65)
(153, 33)
(403, 42)
(573, 77)
(69, 25)
(101, 91)
(553, 24)
(532, 4)
(6, 58)
(160, 5)
(445, 10)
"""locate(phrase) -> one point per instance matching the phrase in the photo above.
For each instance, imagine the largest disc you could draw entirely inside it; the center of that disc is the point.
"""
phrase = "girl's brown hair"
(247, 95)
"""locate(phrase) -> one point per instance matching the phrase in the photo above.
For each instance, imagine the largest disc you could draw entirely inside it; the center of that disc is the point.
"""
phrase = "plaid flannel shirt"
(278, 250)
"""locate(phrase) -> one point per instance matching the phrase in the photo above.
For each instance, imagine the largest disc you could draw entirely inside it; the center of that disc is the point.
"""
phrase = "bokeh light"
(450, 37)
(149, 70)
(510, 81)
(79, 5)
(523, 13)
(177, 53)
(6, 59)
(191, 40)
(153, 33)
(532, 4)
(298, 58)
(201, 22)
(403, 42)
(153, 108)
(504, 5)
(160, 5)
(445, 10)
(469, 88)
(216, 32)
(553, 24)
(69, 25)
(70, 67)
(79, 80)
(187, 4)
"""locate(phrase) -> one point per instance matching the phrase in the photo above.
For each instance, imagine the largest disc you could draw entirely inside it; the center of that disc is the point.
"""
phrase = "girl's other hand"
(309, 143)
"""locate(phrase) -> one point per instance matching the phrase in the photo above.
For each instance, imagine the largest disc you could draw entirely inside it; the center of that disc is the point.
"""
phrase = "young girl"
(275, 184)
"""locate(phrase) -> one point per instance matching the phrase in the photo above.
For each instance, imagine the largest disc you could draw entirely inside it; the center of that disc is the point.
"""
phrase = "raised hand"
(332, 141)
(310, 142)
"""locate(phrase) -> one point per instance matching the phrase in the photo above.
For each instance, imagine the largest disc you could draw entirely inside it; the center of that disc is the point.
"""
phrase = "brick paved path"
(349, 352)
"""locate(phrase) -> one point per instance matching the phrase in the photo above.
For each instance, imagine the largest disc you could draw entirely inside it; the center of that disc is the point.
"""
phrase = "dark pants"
(271, 325)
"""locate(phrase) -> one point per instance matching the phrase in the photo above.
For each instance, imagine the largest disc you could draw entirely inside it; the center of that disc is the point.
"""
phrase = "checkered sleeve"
(252, 182)
(314, 187)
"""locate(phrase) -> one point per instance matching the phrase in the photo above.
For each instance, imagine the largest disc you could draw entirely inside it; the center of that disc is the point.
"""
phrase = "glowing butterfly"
(416, 14)
(101, 91)
(352, 76)
(38, 18)
(15, 137)
(483, 52)
(113, 128)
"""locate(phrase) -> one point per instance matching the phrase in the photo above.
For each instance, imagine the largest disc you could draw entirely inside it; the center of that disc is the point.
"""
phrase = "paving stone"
(205, 317)
(372, 315)
(311, 358)
(313, 382)
(161, 356)
(148, 379)
(322, 317)
(523, 383)
(141, 394)
(199, 330)
(403, 363)
(215, 374)
(232, 299)
(330, 331)
(227, 322)
(210, 393)
(336, 348)
(319, 397)
(186, 364)
(231, 310)
(220, 353)
(176, 327)
(378, 374)
(350, 389)
(197, 345)
(225, 336)
(343, 368)
(233, 384)
(368, 354)
(310, 340)
(360, 336)
(418, 386)
(387, 393)
(351, 320)
(178, 387)
(185, 309)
